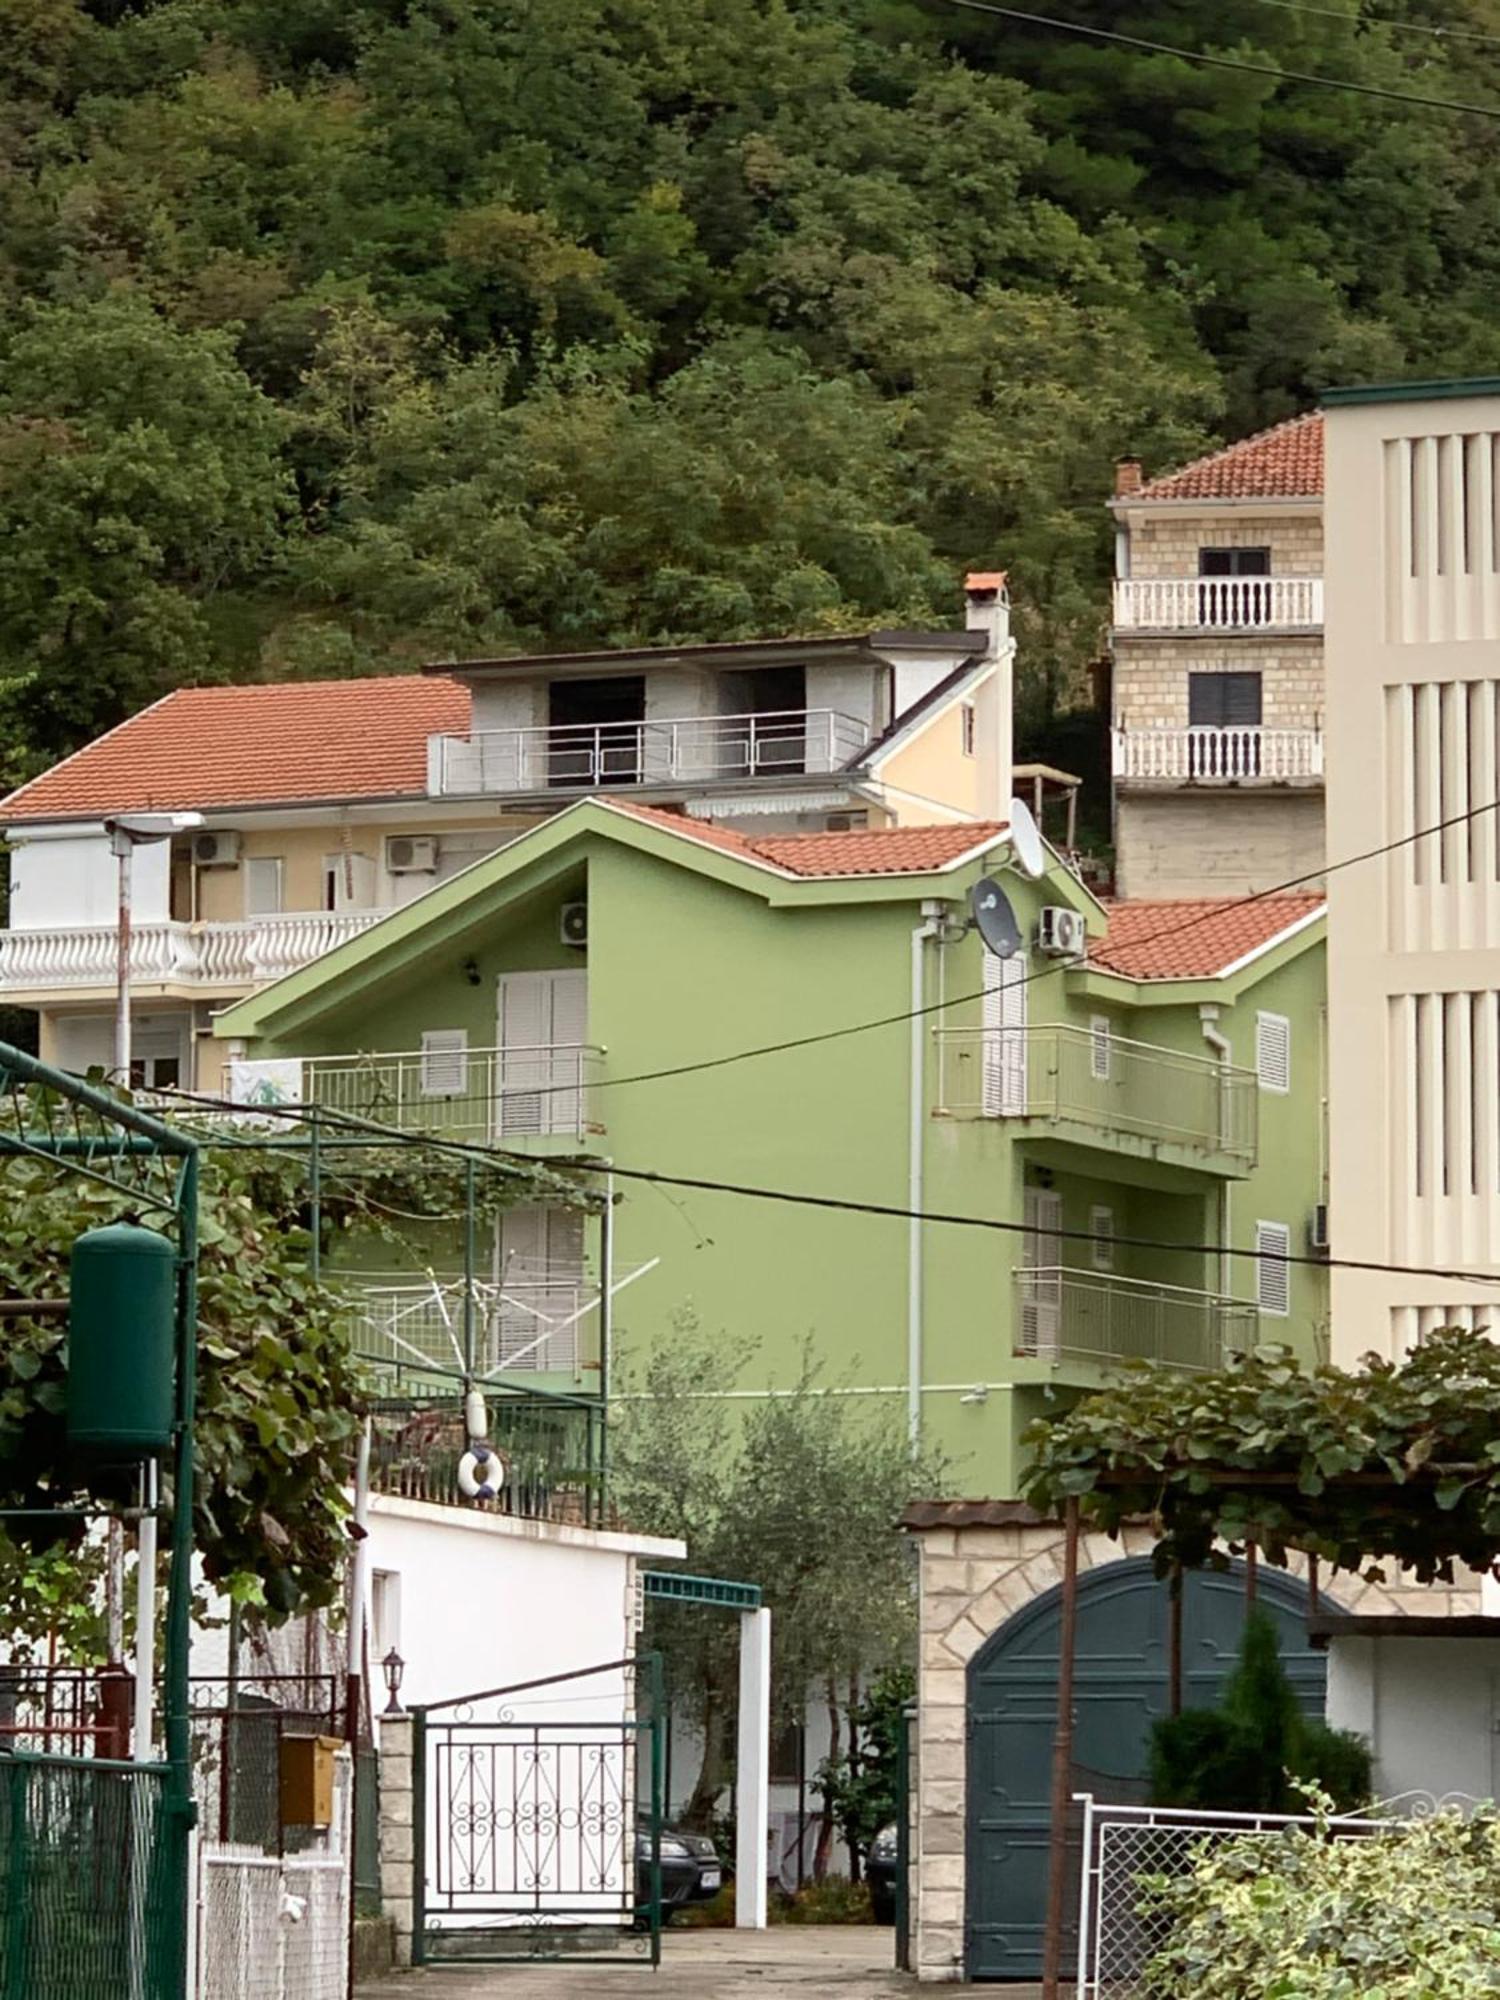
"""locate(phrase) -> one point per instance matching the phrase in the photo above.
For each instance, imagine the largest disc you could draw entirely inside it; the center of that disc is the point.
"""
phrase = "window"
(263, 885)
(967, 715)
(1234, 562)
(445, 1062)
(1273, 1244)
(1003, 1045)
(1273, 1051)
(1099, 1049)
(1102, 1238)
(385, 1613)
(1224, 701)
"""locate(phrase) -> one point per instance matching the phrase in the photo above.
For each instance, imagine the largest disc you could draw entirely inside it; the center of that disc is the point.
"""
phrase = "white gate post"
(753, 1772)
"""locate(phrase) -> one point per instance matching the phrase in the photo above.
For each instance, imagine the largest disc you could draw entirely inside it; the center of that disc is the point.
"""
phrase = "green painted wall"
(684, 965)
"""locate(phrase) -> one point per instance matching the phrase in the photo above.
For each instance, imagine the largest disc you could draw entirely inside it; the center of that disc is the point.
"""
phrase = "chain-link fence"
(1120, 1924)
(275, 1927)
(238, 1728)
(88, 1908)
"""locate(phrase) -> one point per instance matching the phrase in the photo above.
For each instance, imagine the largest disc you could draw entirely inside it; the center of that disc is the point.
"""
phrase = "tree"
(862, 1788)
(798, 1490)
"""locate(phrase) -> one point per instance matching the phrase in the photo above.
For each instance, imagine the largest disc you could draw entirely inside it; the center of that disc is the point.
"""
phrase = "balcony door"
(1041, 1287)
(1224, 714)
(541, 1024)
(596, 731)
(1002, 1052)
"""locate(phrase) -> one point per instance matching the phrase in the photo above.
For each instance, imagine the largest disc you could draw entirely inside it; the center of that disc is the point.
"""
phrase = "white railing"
(1119, 1088)
(541, 1091)
(1215, 755)
(589, 756)
(528, 1322)
(202, 954)
(1218, 603)
(1063, 1314)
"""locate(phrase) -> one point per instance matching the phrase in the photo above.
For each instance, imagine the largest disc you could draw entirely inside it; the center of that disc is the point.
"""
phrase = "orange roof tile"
(238, 746)
(1193, 940)
(1283, 463)
(900, 850)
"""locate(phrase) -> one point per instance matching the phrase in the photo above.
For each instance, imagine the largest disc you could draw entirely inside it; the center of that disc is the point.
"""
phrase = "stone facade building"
(1218, 668)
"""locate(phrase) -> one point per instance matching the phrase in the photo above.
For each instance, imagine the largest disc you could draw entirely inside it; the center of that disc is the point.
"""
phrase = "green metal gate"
(538, 1824)
(1121, 1688)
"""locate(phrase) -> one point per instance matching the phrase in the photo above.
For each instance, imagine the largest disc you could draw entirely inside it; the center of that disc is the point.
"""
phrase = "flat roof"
(731, 651)
(1415, 392)
(1325, 1625)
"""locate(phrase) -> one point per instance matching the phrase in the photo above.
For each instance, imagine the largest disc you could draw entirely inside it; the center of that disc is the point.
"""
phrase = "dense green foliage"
(1401, 1914)
(1249, 1754)
(337, 336)
(1396, 1460)
(861, 1786)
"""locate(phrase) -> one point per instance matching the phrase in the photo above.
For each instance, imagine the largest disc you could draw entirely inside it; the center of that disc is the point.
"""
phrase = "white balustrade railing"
(1218, 755)
(1218, 603)
(602, 755)
(1094, 1316)
(202, 954)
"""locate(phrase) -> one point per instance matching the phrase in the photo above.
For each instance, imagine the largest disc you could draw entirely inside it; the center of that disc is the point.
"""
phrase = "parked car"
(691, 1871)
(880, 1874)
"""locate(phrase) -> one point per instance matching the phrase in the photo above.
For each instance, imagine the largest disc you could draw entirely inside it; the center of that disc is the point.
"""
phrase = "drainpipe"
(931, 926)
(1208, 1015)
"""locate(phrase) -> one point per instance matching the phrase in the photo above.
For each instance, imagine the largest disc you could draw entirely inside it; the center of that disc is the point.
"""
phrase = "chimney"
(989, 612)
(1128, 478)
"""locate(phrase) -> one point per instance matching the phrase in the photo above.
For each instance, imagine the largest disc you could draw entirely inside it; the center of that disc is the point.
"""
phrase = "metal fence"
(1123, 1848)
(79, 1711)
(88, 1899)
(274, 1927)
(238, 1728)
(551, 1449)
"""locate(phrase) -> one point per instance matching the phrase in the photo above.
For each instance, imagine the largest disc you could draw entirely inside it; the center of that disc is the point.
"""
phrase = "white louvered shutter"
(1003, 1044)
(540, 1289)
(1099, 1049)
(568, 1022)
(445, 1062)
(1273, 1051)
(525, 1030)
(1273, 1243)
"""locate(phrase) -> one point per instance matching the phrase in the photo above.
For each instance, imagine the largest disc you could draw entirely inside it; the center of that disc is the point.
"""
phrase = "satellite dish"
(1026, 841)
(994, 918)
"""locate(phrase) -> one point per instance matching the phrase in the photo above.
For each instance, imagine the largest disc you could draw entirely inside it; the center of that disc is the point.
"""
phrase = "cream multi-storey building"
(1217, 644)
(1413, 667)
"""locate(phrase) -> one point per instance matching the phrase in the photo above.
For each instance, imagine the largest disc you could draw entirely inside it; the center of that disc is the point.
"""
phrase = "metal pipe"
(125, 855)
(469, 1270)
(606, 1335)
(179, 1788)
(145, 1615)
(1062, 1759)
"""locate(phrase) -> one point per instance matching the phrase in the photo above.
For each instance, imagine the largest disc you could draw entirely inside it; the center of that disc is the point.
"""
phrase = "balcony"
(1095, 1318)
(1218, 756)
(1102, 1091)
(686, 750)
(512, 1094)
(232, 957)
(1219, 604)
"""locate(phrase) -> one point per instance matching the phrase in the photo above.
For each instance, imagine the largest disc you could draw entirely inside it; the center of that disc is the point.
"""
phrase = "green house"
(1133, 1095)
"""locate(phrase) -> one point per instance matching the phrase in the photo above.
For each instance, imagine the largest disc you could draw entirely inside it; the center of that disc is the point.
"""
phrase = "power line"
(1440, 33)
(890, 1211)
(1207, 61)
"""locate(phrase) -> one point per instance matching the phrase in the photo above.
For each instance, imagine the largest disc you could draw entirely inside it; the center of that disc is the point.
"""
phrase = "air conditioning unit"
(1061, 933)
(573, 924)
(1317, 1228)
(411, 854)
(215, 850)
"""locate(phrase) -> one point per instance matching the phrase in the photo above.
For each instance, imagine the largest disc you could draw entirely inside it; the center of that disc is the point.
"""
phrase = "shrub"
(1396, 1914)
(834, 1900)
(1250, 1755)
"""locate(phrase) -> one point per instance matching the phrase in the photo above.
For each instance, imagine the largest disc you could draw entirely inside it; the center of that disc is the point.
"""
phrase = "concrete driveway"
(805, 1962)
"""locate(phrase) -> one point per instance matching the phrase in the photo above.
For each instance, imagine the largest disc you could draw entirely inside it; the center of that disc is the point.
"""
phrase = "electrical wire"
(1437, 31)
(1204, 60)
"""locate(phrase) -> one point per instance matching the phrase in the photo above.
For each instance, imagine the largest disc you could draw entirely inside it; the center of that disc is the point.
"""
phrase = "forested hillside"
(340, 334)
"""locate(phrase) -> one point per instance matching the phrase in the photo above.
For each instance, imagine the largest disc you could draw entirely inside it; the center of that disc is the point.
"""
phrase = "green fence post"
(658, 1804)
(419, 1836)
(178, 1800)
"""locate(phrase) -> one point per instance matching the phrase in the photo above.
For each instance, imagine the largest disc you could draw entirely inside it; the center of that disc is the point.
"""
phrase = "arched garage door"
(1121, 1682)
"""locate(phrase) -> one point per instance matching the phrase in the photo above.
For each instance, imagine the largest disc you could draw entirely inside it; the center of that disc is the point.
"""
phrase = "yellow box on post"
(307, 1779)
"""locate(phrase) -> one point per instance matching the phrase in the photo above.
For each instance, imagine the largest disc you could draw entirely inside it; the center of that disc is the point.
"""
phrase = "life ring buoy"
(481, 1473)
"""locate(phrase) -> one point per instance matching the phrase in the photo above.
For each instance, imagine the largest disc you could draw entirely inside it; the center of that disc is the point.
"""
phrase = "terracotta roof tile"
(1193, 940)
(1283, 463)
(903, 850)
(238, 746)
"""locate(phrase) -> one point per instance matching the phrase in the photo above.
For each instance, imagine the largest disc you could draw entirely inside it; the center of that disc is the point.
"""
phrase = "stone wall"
(1168, 544)
(1150, 681)
(1215, 841)
(972, 1579)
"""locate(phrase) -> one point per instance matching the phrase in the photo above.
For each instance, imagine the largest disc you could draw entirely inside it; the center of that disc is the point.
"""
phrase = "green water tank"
(120, 1341)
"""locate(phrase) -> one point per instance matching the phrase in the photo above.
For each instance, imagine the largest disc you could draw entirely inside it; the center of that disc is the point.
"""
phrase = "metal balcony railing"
(1065, 1315)
(202, 954)
(1119, 1089)
(1218, 755)
(541, 1091)
(599, 756)
(1218, 603)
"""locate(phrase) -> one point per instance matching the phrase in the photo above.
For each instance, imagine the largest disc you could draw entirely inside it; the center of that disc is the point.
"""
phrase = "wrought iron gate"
(538, 1820)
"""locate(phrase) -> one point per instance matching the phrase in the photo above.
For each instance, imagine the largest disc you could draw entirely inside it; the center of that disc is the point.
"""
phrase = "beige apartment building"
(1413, 666)
(323, 807)
(1217, 645)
